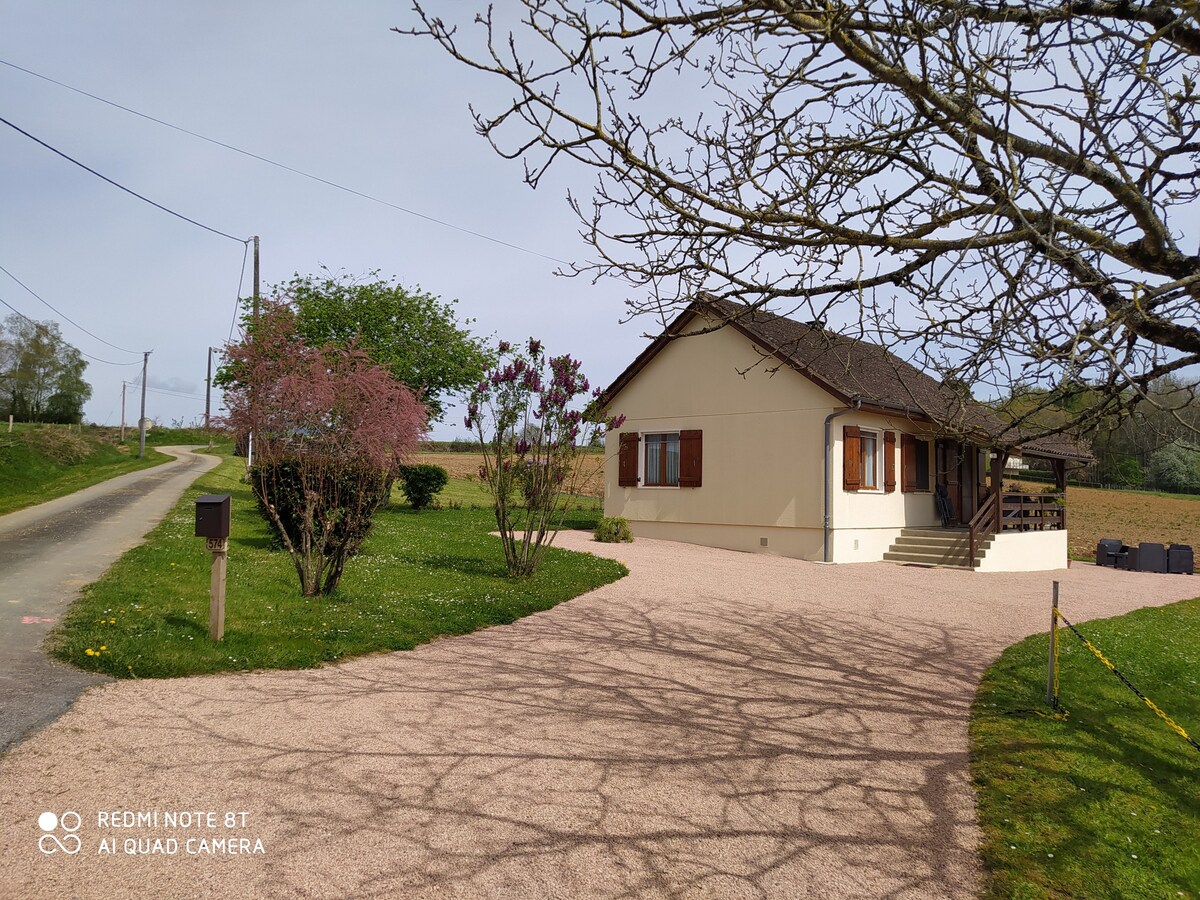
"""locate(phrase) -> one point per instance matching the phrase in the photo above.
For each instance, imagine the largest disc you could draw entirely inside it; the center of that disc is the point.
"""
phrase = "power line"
(63, 314)
(115, 184)
(287, 168)
(237, 301)
(171, 393)
(36, 324)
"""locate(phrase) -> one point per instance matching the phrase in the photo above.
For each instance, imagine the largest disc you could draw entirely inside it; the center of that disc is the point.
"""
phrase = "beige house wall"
(1026, 551)
(763, 447)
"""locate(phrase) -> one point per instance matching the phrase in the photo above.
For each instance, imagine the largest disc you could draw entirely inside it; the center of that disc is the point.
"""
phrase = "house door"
(949, 473)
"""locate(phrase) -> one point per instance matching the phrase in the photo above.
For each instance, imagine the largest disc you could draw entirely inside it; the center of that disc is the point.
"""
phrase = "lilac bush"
(531, 416)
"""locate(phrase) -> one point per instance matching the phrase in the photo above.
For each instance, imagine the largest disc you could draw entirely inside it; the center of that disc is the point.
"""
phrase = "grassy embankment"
(1105, 802)
(39, 463)
(419, 576)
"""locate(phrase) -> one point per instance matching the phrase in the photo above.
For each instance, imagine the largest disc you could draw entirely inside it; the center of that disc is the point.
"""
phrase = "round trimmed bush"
(613, 530)
(421, 483)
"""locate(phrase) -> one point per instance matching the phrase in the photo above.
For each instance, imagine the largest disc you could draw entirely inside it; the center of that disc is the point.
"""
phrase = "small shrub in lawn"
(421, 482)
(614, 530)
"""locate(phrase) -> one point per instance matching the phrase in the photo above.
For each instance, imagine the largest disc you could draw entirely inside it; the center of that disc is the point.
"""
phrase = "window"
(914, 461)
(870, 460)
(662, 460)
(922, 464)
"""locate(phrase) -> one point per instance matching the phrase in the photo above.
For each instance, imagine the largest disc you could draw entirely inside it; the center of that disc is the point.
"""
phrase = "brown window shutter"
(908, 464)
(851, 458)
(627, 466)
(889, 461)
(691, 458)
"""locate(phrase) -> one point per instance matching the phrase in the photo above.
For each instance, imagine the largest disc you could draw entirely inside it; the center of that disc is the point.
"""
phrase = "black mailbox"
(212, 516)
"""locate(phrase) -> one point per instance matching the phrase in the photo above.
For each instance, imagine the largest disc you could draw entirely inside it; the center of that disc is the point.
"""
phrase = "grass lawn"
(419, 576)
(39, 463)
(1106, 802)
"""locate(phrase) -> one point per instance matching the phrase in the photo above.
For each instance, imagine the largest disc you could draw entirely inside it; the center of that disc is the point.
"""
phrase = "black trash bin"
(1106, 550)
(1180, 560)
(1151, 558)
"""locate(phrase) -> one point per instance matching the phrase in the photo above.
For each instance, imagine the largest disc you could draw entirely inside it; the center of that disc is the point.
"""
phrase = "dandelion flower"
(103, 647)
(90, 652)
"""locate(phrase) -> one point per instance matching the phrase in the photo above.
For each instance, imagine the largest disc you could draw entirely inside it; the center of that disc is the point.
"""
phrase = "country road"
(47, 553)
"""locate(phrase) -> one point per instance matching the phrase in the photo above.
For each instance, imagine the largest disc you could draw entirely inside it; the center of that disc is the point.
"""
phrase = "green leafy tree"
(41, 375)
(1176, 468)
(413, 334)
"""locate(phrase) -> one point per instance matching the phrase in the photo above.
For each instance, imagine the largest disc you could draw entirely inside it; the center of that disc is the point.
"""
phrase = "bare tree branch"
(1003, 193)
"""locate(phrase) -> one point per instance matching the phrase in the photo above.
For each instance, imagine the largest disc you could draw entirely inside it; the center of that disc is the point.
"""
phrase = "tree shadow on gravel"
(609, 750)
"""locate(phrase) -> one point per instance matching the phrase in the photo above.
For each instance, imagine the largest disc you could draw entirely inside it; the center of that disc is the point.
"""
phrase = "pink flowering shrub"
(526, 413)
(330, 428)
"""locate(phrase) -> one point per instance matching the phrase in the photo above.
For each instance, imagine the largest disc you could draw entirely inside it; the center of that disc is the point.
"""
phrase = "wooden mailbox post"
(212, 524)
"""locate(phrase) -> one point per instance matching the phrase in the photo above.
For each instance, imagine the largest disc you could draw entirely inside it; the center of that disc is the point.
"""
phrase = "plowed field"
(1132, 516)
(466, 465)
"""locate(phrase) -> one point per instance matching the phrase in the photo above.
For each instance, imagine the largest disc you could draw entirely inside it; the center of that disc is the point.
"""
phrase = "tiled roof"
(857, 370)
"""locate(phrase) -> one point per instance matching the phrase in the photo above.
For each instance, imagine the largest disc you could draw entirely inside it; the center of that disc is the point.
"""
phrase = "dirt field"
(1132, 516)
(466, 465)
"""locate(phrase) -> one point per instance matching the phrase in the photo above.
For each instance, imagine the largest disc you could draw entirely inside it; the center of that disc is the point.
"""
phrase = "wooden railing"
(1033, 512)
(982, 523)
(1015, 512)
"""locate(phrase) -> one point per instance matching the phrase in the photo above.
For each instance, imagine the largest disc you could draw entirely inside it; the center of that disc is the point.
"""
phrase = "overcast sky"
(325, 88)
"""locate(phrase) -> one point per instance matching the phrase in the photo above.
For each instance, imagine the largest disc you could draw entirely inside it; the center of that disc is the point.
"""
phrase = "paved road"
(47, 553)
(714, 725)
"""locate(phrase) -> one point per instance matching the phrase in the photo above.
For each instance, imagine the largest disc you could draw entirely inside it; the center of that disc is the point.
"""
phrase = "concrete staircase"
(935, 547)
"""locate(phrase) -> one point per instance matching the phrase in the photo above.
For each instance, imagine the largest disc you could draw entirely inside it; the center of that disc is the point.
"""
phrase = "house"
(775, 436)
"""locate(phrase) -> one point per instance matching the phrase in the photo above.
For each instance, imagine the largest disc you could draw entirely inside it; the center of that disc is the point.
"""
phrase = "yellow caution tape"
(1129, 684)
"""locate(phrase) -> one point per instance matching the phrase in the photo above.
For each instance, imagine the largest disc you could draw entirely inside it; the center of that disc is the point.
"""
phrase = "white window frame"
(877, 470)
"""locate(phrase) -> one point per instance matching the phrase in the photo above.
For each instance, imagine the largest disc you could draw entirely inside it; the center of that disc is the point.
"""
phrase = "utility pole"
(253, 321)
(256, 279)
(122, 412)
(208, 398)
(142, 418)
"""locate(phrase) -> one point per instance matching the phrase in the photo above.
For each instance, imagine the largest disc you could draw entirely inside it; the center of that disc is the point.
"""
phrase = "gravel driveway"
(714, 725)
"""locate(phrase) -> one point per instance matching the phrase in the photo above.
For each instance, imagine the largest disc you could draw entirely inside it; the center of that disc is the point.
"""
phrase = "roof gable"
(852, 370)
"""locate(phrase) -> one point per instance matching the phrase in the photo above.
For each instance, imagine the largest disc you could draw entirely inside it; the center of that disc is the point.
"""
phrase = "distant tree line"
(1155, 447)
(41, 375)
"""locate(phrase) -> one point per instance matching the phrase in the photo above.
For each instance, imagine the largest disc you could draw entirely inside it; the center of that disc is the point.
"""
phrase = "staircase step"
(958, 550)
(933, 546)
(952, 561)
(929, 540)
